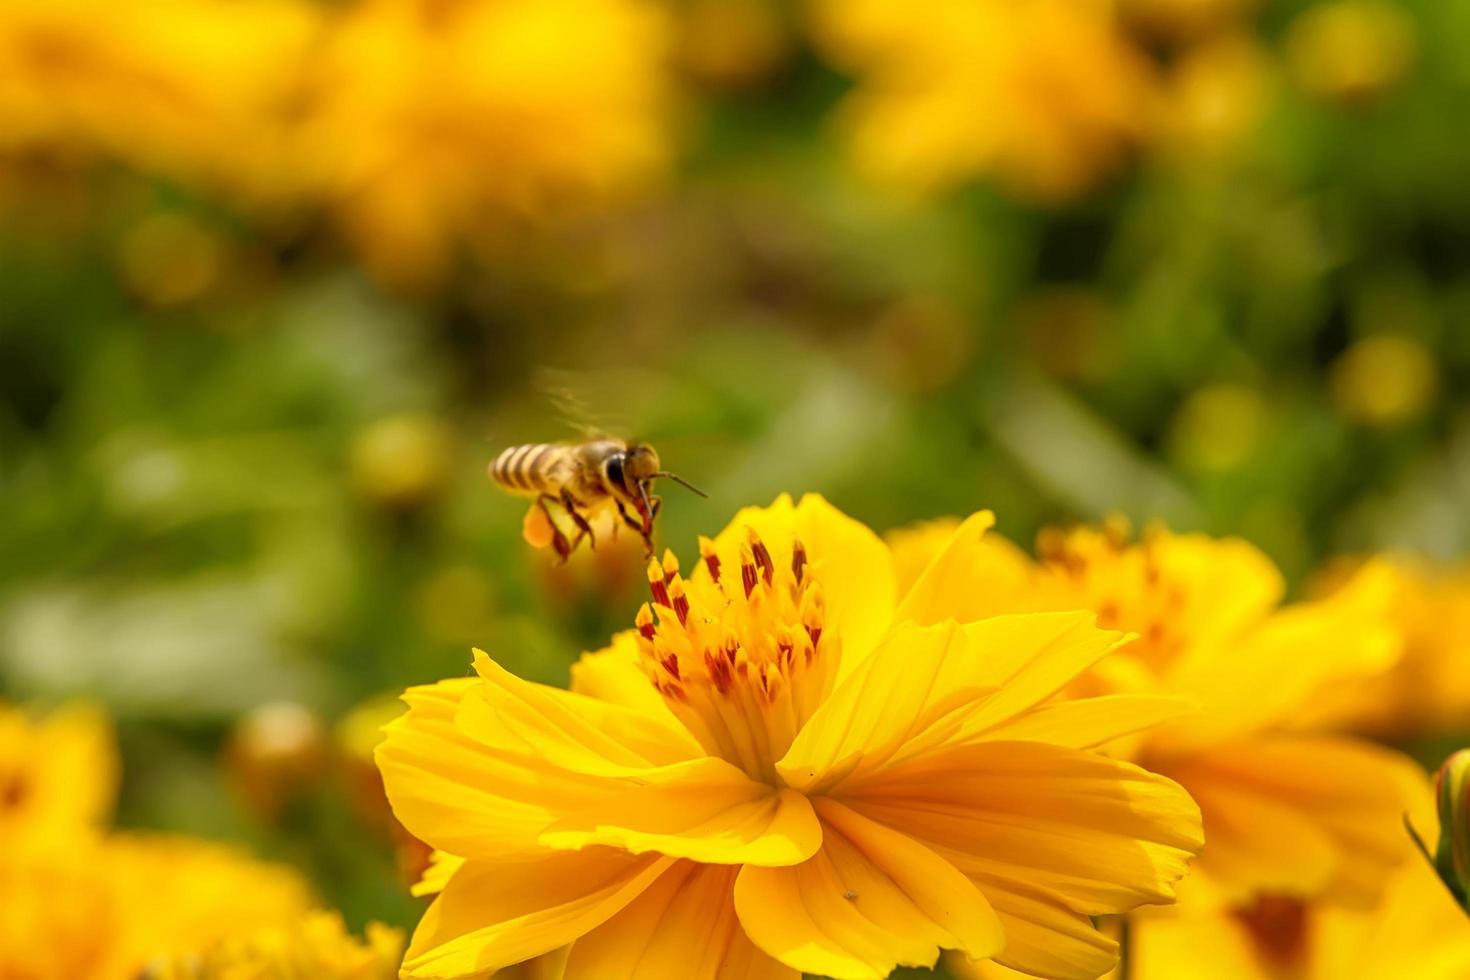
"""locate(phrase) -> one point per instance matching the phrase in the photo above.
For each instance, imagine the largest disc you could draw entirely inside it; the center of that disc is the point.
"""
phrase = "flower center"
(14, 790)
(739, 655)
(1278, 927)
(1124, 584)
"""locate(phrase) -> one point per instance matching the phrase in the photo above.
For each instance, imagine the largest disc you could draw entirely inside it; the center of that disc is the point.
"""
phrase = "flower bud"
(274, 754)
(1452, 793)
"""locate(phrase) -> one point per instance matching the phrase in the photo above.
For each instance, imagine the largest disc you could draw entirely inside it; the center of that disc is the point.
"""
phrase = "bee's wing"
(572, 396)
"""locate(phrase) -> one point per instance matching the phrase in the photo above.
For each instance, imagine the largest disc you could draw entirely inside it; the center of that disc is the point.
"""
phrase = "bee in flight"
(585, 478)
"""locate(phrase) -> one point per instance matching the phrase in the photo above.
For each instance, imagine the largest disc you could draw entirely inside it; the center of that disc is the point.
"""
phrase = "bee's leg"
(583, 528)
(558, 539)
(647, 529)
(628, 518)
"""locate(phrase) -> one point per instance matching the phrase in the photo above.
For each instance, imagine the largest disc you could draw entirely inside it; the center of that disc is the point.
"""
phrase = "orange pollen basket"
(743, 666)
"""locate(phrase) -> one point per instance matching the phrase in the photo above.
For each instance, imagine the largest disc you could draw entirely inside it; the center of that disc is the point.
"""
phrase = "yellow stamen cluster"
(742, 660)
(1124, 582)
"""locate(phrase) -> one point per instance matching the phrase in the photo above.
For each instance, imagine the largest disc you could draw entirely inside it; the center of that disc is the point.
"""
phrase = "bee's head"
(632, 473)
(632, 469)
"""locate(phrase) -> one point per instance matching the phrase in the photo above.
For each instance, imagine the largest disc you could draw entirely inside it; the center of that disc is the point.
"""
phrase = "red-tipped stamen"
(747, 569)
(798, 559)
(762, 556)
(711, 558)
(656, 584)
(679, 602)
(644, 622)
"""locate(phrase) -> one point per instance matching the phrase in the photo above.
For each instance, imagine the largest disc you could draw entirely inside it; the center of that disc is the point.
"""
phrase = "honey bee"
(584, 478)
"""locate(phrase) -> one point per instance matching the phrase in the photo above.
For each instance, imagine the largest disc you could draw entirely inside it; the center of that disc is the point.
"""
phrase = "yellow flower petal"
(1102, 836)
(1090, 722)
(975, 574)
(1030, 657)
(1044, 938)
(1256, 843)
(1417, 923)
(917, 678)
(614, 674)
(870, 900)
(569, 730)
(1351, 794)
(683, 926)
(461, 796)
(1184, 595)
(1199, 942)
(929, 684)
(1251, 683)
(914, 547)
(442, 866)
(850, 561)
(494, 914)
(58, 774)
(706, 810)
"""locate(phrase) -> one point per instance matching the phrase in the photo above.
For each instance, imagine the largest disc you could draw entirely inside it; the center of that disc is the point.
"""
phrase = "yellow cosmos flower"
(318, 947)
(170, 86)
(912, 548)
(1417, 931)
(106, 911)
(1046, 95)
(1428, 689)
(58, 777)
(787, 767)
(1285, 811)
(439, 123)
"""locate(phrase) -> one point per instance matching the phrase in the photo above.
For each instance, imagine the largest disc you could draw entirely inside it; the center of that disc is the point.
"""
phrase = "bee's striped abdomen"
(524, 469)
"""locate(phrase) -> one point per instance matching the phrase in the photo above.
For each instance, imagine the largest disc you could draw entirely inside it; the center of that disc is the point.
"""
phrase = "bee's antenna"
(682, 482)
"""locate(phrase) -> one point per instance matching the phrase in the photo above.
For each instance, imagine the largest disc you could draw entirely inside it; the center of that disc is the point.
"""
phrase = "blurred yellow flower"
(1384, 379)
(1416, 931)
(912, 548)
(787, 767)
(1428, 690)
(434, 124)
(318, 947)
(1351, 51)
(1045, 95)
(1284, 811)
(176, 87)
(105, 911)
(1212, 98)
(58, 776)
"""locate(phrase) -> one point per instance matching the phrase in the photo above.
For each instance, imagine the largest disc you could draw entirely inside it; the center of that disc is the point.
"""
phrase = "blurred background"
(278, 278)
